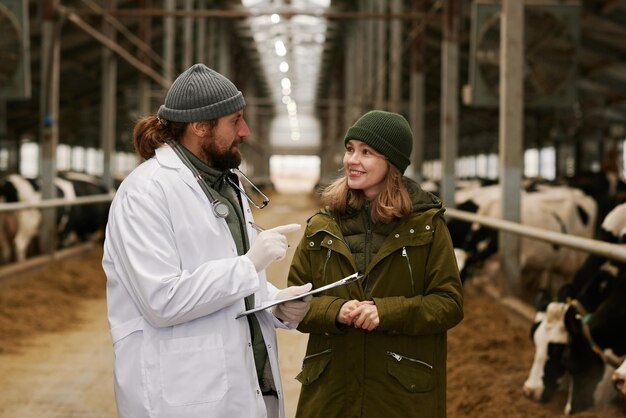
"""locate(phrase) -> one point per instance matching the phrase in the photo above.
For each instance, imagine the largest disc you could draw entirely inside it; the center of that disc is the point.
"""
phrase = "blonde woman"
(377, 347)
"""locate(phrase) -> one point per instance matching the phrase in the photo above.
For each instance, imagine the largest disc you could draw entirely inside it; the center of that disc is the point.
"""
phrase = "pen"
(259, 228)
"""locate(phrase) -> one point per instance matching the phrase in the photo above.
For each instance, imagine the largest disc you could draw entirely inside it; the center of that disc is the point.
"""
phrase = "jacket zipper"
(310, 356)
(368, 252)
(408, 263)
(325, 264)
(400, 357)
(368, 237)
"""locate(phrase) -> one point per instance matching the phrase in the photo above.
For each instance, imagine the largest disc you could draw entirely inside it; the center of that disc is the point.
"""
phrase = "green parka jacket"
(398, 369)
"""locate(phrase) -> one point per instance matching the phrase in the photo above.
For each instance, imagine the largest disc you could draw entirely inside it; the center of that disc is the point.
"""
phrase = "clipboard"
(348, 279)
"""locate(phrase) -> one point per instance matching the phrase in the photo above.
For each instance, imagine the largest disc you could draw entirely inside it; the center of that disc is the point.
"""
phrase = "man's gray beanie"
(200, 94)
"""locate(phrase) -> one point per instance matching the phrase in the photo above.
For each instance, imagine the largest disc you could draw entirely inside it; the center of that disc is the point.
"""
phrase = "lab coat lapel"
(168, 158)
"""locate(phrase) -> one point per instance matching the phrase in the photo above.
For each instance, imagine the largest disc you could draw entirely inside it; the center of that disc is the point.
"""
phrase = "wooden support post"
(449, 99)
(49, 118)
(416, 95)
(511, 135)
(108, 107)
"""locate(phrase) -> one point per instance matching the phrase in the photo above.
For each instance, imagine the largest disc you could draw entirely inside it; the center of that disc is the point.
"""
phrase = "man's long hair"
(149, 133)
(392, 202)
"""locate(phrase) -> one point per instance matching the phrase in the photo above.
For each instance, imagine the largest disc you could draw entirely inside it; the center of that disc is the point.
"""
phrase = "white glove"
(293, 311)
(270, 245)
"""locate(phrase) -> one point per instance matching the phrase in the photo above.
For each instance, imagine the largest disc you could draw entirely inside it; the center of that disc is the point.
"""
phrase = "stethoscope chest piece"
(220, 209)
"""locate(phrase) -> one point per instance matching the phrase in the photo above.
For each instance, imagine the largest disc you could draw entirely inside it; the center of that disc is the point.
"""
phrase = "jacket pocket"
(200, 360)
(313, 365)
(125, 329)
(415, 375)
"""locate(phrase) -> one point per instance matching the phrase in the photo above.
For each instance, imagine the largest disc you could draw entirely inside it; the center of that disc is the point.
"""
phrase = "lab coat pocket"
(313, 366)
(193, 370)
(416, 376)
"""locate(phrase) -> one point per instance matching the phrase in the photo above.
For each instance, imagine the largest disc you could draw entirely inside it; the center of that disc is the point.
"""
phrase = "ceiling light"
(284, 67)
(281, 51)
(321, 3)
(285, 83)
(275, 18)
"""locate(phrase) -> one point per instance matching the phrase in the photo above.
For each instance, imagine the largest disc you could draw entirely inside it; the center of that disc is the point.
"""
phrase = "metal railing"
(611, 251)
(49, 203)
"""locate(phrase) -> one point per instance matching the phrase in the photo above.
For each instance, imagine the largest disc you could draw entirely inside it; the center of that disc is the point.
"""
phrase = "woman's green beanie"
(388, 133)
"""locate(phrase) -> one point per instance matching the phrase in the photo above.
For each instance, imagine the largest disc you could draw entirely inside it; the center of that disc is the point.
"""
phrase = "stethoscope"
(219, 208)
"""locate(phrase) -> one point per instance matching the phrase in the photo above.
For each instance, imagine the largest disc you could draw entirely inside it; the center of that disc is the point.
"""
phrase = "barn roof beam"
(610, 6)
(606, 114)
(594, 87)
(119, 26)
(115, 47)
(238, 13)
(612, 76)
(604, 32)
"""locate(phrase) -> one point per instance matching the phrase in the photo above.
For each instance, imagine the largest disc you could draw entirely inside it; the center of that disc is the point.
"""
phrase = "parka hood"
(422, 200)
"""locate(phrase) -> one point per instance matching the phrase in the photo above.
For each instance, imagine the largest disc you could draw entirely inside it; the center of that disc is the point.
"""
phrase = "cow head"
(550, 337)
(480, 243)
(619, 379)
(584, 365)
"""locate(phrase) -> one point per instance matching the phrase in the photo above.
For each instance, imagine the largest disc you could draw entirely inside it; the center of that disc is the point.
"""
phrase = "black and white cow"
(612, 230)
(17, 228)
(75, 223)
(584, 346)
(468, 197)
(619, 379)
(83, 220)
(582, 332)
(603, 187)
(558, 209)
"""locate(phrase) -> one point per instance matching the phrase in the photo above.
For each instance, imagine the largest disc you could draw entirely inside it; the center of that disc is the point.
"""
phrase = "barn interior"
(84, 70)
(494, 90)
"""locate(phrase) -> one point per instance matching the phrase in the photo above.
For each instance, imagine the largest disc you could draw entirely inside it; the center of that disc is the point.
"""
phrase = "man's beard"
(220, 159)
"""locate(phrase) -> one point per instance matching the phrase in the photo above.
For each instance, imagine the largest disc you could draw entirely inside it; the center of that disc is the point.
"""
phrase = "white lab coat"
(174, 287)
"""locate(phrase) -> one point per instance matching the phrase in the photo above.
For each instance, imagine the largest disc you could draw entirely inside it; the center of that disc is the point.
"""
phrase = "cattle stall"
(80, 211)
(577, 327)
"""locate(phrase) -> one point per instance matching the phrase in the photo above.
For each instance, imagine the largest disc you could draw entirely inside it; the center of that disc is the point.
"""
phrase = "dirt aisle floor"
(55, 349)
(56, 357)
(489, 357)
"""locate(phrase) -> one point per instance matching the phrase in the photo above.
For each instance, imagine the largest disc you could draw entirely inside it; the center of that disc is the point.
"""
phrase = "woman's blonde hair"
(392, 202)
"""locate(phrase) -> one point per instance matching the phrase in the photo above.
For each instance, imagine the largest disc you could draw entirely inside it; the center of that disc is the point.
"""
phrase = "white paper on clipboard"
(348, 279)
